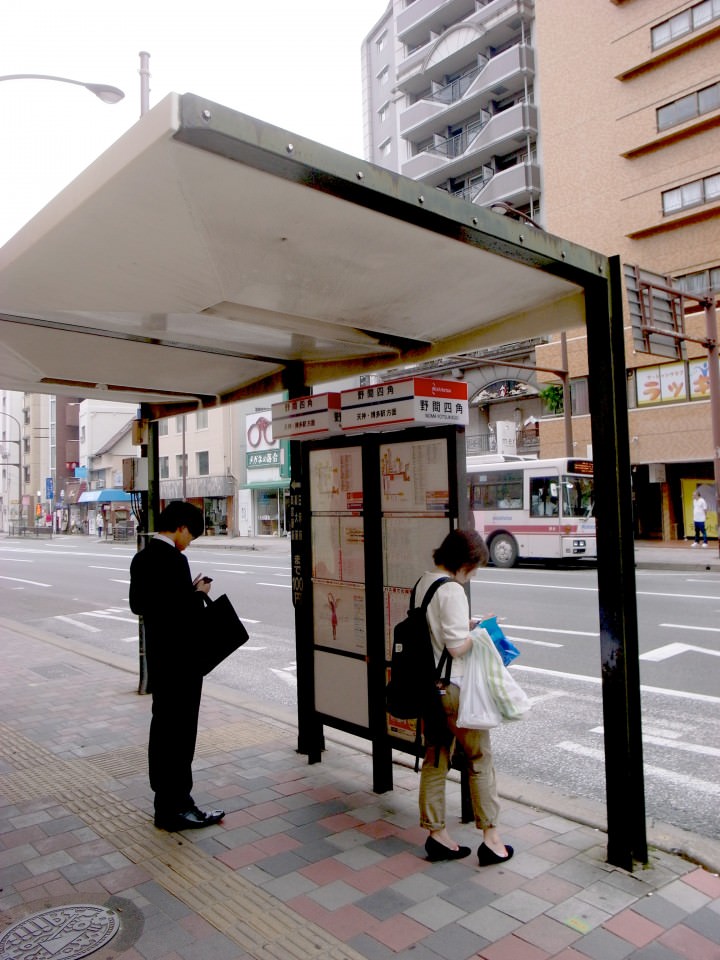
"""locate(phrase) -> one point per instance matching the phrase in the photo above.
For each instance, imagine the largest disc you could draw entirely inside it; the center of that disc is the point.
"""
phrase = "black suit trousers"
(171, 748)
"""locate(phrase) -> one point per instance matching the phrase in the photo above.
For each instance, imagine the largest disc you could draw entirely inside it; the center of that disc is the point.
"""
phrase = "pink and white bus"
(533, 508)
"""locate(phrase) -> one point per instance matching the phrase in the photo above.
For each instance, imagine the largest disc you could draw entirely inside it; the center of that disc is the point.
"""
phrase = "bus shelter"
(208, 257)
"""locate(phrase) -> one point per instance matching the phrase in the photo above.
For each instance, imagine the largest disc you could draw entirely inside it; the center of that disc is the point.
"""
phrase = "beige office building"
(630, 122)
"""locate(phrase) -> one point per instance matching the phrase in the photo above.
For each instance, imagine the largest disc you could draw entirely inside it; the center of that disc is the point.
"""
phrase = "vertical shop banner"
(707, 492)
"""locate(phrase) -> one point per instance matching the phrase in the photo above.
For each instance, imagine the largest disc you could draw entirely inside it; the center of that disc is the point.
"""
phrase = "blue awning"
(104, 496)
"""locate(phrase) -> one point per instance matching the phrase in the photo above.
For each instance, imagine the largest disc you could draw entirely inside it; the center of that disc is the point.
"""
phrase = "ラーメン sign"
(414, 401)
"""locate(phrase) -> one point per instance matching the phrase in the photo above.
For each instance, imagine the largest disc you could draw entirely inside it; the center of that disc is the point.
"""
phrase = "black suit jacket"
(161, 591)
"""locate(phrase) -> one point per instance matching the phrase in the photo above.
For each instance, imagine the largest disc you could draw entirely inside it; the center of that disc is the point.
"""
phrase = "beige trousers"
(477, 749)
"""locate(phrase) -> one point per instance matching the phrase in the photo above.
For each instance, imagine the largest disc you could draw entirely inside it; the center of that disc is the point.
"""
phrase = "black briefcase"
(222, 633)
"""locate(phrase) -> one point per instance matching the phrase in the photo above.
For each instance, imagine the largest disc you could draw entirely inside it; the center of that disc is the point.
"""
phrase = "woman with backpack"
(448, 617)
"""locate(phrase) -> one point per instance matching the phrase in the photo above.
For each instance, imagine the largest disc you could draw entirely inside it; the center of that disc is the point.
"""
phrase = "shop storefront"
(267, 463)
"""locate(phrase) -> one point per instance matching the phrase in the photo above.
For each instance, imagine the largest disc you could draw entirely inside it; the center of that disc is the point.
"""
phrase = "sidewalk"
(308, 864)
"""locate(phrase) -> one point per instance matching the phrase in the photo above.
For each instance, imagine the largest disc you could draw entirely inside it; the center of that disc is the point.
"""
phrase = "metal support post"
(711, 332)
(627, 841)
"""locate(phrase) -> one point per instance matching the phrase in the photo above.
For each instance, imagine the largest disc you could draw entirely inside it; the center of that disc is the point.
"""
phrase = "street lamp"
(501, 207)
(19, 463)
(102, 91)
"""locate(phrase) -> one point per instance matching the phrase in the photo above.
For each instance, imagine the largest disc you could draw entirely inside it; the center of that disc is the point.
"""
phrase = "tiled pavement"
(308, 862)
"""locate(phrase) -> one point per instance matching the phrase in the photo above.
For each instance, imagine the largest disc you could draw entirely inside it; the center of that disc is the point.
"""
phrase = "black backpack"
(412, 693)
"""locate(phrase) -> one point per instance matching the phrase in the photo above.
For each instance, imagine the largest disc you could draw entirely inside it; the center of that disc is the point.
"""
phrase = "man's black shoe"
(193, 819)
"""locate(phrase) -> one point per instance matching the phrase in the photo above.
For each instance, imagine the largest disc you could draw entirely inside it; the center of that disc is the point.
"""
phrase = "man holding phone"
(171, 604)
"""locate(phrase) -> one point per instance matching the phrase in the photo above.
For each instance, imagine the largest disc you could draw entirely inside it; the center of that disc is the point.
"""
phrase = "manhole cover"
(61, 933)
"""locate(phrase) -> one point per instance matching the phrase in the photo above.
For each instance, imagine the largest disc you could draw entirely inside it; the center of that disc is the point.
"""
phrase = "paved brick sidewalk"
(308, 862)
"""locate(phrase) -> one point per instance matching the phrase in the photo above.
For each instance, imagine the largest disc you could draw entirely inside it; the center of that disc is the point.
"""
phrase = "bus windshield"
(577, 500)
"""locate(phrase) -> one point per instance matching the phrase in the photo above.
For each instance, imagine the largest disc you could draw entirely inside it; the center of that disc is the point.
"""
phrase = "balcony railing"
(456, 89)
(527, 442)
(457, 145)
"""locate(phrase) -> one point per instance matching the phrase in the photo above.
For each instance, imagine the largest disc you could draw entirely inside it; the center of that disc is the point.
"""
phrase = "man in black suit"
(171, 604)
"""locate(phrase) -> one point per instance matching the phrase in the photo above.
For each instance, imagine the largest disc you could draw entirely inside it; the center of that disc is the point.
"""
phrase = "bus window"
(578, 499)
(502, 490)
(543, 496)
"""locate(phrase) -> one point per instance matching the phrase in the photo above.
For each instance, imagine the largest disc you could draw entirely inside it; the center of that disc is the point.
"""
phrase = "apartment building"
(598, 120)
(449, 99)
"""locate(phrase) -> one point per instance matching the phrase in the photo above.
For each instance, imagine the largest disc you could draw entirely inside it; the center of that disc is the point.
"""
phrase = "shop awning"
(104, 496)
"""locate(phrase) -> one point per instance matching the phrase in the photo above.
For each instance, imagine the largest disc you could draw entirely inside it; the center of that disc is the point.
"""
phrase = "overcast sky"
(294, 63)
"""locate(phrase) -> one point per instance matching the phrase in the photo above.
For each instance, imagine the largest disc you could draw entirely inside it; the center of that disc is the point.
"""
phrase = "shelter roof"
(207, 256)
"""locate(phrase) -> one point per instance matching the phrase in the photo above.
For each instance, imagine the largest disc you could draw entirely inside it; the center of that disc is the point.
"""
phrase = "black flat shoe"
(488, 857)
(438, 851)
(193, 819)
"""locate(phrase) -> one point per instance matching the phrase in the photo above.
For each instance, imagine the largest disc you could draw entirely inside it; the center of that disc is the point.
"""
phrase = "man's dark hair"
(180, 513)
(461, 548)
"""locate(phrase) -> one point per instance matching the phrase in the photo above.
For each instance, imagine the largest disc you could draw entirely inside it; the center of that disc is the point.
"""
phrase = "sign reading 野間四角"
(414, 401)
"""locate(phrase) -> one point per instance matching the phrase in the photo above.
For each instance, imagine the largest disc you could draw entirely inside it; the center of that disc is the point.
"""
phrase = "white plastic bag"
(489, 692)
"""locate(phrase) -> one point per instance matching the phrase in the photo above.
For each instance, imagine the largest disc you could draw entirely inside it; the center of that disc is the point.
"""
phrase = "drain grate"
(63, 933)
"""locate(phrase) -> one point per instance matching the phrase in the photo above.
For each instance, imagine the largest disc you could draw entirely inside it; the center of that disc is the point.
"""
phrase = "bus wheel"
(503, 551)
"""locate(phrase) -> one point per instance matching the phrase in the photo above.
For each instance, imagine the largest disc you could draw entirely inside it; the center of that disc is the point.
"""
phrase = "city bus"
(540, 509)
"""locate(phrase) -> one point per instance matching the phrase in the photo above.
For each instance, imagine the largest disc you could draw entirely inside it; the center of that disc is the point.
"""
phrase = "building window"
(163, 467)
(683, 23)
(691, 194)
(203, 463)
(201, 420)
(685, 108)
(385, 147)
(579, 397)
(380, 42)
(180, 423)
(383, 112)
(700, 282)
(384, 75)
(181, 464)
(162, 428)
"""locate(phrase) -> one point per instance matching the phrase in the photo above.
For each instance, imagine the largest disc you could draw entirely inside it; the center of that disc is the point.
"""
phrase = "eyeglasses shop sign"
(263, 452)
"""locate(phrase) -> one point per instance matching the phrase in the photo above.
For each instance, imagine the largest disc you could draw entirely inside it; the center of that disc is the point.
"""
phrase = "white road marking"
(94, 566)
(645, 688)
(534, 643)
(674, 650)
(677, 779)
(115, 580)
(106, 616)
(572, 633)
(672, 742)
(78, 623)
(14, 560)
(684, 626)
(242, 572)
(33, 583)
(287, 586)
(560, 586)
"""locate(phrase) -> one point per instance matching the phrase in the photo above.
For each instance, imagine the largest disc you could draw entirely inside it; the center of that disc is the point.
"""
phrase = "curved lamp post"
(501, 207)
(102, 91)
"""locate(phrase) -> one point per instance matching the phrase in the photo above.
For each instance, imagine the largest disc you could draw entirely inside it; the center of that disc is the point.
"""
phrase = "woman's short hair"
(461, 548)
(180, 513)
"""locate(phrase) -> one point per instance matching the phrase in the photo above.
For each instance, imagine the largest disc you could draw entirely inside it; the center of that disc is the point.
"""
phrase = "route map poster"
(414, 477)
(338, 548)
(336, 479)
(339, 616)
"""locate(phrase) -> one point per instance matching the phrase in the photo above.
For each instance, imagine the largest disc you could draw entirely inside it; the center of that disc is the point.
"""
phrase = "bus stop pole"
(617, 602)
(149, 513)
